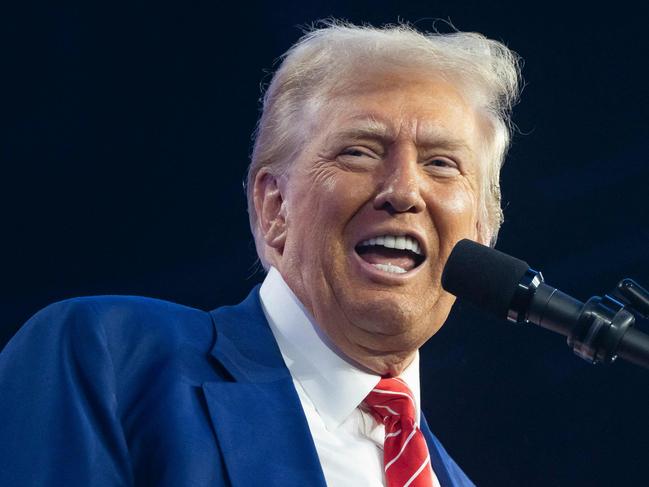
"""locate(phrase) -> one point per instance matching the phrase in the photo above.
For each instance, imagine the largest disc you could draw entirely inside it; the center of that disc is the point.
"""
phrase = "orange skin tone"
(393, 156)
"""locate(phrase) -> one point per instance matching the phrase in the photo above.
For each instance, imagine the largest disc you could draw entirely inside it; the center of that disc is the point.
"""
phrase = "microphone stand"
(605, 331)
(600, 330)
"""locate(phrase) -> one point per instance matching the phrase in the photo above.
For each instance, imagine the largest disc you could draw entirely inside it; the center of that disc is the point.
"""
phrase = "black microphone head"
(485, 277)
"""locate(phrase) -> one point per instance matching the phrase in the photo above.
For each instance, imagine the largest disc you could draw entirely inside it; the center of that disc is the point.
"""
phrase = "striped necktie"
(405, 453)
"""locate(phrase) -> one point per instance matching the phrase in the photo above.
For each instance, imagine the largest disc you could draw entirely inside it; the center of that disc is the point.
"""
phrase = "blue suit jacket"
(116, 391)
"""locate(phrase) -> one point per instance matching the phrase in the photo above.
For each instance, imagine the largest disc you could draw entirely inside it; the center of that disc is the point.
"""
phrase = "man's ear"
(270, 208)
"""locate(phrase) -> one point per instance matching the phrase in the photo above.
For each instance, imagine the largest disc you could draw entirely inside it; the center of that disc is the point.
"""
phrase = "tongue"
(382, 255)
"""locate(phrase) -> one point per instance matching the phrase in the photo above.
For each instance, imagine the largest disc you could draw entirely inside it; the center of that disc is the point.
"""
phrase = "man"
(377, 150)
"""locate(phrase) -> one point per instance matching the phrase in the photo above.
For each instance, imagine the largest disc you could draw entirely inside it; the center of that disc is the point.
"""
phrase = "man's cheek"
(459, 213)
(457, 203)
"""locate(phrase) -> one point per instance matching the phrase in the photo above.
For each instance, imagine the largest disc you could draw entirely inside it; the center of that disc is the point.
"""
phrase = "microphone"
(598, 330)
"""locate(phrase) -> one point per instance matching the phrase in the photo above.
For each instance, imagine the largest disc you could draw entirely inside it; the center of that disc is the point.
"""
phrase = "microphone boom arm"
(599, 331)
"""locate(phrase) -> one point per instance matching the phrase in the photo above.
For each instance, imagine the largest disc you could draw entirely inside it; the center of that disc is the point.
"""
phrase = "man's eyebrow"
(373, 129)
(363, 129)
(449, 144)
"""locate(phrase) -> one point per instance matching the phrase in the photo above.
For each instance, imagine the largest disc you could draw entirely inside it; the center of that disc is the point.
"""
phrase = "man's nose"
(401, 185)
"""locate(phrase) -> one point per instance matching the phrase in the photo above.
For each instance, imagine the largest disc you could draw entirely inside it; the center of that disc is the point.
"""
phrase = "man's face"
(387, 159)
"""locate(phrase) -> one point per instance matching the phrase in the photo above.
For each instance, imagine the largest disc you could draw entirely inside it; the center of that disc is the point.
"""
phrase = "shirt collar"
(335, 386)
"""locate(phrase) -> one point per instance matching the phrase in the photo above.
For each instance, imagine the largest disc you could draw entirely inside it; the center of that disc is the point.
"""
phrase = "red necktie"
(405, 453)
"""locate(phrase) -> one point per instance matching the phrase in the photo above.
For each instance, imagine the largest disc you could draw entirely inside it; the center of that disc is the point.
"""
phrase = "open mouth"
(396, 254)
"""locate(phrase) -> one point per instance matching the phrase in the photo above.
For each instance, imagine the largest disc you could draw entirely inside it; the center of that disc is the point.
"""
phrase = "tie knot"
(391, 400)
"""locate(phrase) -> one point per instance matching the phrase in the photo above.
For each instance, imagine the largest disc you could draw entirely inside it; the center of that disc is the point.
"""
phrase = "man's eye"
(439, 162)
(354, 152)
(442, 166)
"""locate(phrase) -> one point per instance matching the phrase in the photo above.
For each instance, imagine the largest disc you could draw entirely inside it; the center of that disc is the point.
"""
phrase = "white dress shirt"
(348, 440)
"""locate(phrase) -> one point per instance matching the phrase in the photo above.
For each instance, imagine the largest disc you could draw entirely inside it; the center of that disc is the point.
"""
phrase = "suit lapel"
(257, 417)
(438, 457)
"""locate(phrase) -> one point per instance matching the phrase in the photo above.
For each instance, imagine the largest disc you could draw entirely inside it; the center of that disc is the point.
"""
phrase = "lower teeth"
(390, 268)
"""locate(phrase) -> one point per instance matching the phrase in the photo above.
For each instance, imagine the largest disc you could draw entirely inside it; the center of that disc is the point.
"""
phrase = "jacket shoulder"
(117, 316)
(129, 330)
(117, 307)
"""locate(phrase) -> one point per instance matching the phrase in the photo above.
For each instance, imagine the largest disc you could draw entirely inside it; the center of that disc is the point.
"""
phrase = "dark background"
(125, 138)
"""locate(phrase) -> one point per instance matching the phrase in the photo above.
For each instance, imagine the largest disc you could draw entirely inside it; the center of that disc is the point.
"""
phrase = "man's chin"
(383, 322)
(396, 313)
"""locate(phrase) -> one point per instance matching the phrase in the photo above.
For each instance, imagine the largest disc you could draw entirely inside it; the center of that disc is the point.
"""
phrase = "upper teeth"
(402, 242)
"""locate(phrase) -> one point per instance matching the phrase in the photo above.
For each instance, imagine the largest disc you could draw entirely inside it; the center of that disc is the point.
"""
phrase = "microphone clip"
(604, 323)
(599, 330)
